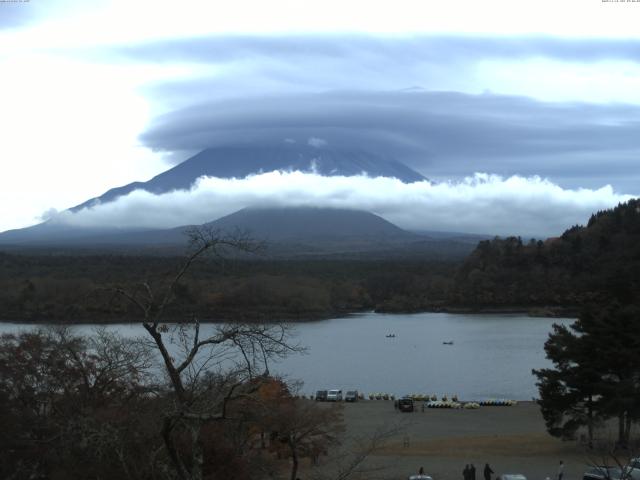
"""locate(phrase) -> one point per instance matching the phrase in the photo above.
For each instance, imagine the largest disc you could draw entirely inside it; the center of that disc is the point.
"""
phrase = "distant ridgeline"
(596, 263)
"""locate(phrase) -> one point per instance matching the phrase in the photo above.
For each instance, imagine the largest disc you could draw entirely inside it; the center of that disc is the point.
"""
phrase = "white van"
(334, 396)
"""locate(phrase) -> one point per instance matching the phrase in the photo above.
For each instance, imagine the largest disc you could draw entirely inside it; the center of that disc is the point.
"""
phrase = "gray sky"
(118, 91)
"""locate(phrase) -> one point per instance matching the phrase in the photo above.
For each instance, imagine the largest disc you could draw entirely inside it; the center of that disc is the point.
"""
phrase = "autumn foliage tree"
(73, 404)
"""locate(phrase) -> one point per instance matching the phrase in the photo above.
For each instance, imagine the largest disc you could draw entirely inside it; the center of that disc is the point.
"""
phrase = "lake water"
(491, 356)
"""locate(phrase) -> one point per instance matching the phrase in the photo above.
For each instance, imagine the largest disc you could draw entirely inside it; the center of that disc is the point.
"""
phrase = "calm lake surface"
(491, 356)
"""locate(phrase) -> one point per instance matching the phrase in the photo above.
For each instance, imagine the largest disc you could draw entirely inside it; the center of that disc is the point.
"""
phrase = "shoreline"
(413, 363)
(533, 312)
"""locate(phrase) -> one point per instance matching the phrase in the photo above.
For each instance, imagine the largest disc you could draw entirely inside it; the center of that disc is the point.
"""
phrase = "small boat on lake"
(391, 335)
(450, 342)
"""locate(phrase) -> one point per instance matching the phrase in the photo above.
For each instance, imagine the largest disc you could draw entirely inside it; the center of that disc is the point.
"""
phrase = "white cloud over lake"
(483, 203)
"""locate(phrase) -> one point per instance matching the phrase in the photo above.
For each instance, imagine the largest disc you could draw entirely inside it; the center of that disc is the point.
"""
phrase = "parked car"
(420, 477)
(351, 396)
(334, 396)
(321, 396)
(405, 404)
(511, 476)
(604, 472)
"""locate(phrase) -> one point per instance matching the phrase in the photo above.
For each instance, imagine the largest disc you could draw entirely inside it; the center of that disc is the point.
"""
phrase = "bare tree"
(608, 455)
(352, 463)
(303, 429)
(207, 372)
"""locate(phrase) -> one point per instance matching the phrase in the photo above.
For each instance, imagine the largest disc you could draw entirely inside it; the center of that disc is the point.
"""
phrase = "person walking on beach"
(472, 472)
(487, 472)
(561, 470)
(466, 473)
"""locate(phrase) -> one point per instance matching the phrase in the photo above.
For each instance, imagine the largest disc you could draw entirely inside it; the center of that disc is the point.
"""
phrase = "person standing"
(472, 472)
(487, 472)
(561, 470)
(466, 472)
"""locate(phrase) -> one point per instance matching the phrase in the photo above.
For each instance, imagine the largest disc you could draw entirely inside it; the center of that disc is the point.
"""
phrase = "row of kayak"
(470, 405)
(498, 402)
(465, 405)
(431, 401)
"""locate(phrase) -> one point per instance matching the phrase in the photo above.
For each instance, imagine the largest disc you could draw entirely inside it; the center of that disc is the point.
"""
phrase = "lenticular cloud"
(482, 203)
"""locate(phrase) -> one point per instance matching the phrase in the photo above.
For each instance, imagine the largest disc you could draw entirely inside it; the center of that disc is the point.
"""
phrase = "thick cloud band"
(488, 204)
(443, 135)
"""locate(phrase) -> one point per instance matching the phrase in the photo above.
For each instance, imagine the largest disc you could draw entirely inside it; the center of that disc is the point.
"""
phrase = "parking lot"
(511, 439)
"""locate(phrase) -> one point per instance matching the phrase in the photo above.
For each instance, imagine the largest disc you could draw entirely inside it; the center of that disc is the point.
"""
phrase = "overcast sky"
(541, 98)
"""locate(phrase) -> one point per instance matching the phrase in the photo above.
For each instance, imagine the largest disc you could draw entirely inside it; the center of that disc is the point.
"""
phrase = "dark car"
(632, 472)
(405, 404)
(321, 396)
(602, 472)
(351, 396)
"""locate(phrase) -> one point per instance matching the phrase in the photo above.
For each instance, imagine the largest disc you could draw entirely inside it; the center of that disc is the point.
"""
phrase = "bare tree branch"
(200, 396)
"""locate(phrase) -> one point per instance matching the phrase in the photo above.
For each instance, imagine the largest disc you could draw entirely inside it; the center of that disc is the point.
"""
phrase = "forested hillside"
(596, 263)
(80, 288)
(599, 262)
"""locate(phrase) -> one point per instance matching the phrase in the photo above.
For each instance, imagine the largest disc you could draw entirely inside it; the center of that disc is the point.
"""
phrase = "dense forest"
(556, 276)
(587, 264)
(80, 288)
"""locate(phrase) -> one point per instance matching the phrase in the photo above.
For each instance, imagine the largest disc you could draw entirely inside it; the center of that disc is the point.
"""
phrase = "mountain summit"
(241, 161)
(311, 224)
(224, 162)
